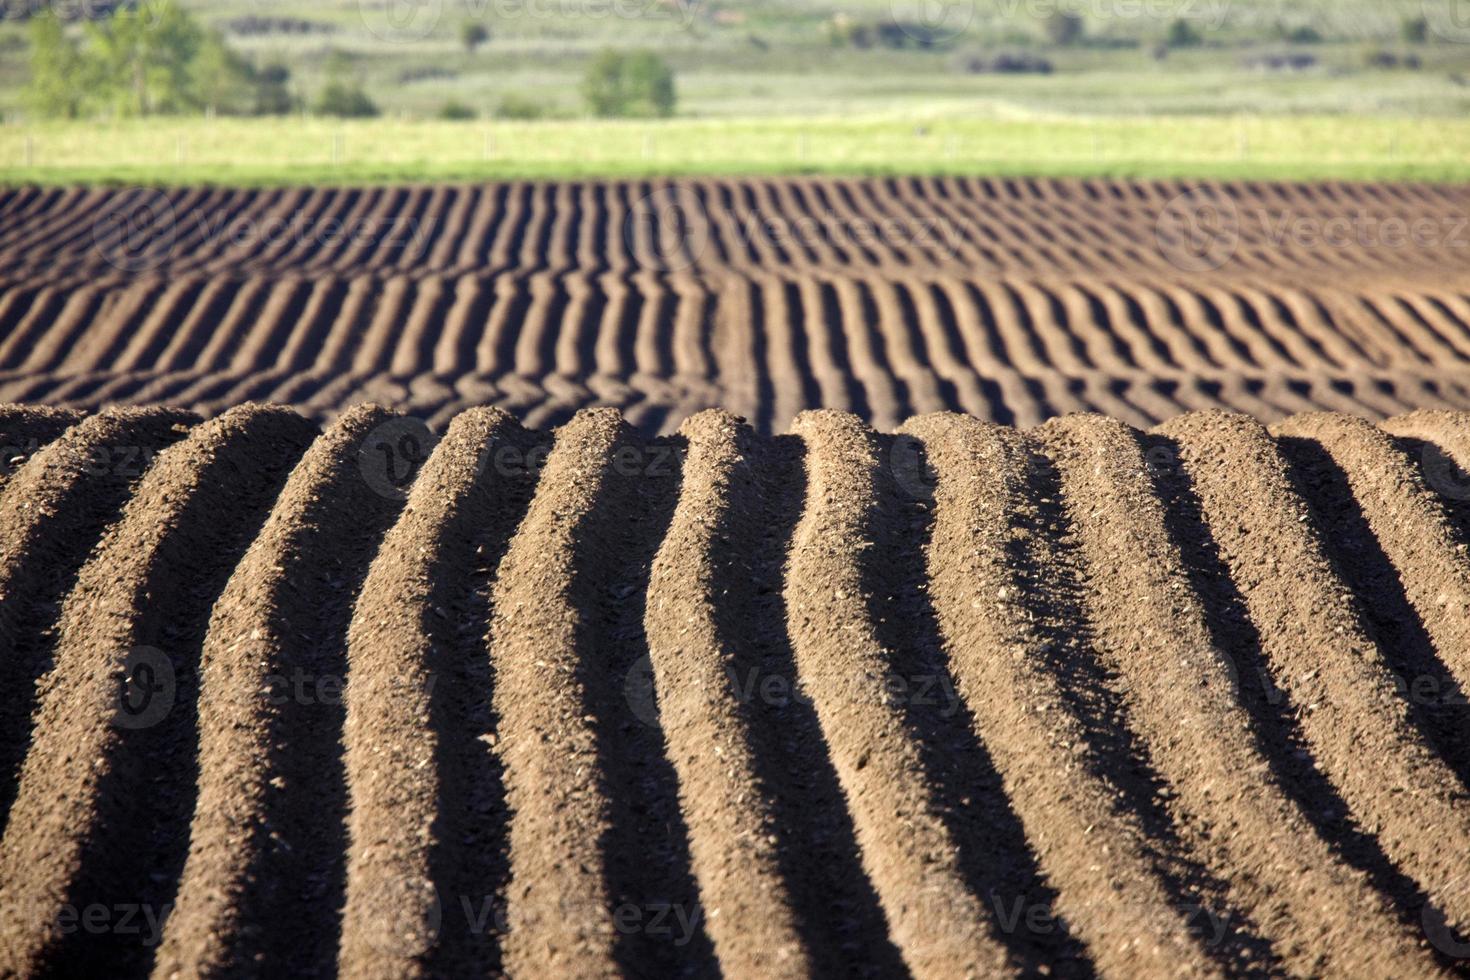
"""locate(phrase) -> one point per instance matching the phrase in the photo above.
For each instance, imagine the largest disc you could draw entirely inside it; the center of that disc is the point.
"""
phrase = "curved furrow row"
(115, 711)
(595, 847)
(959, 700)
(988, 560)
(937, 921)
(426, 871)
(264, 869)
(701, 661)
(1182, 690)
(1335, 683)
(52, 513)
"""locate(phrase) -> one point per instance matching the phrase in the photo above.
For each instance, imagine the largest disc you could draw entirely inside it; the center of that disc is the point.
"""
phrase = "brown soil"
(1010, 300)
(961, 700)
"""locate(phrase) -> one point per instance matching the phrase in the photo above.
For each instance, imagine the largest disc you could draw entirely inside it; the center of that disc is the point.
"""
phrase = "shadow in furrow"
(469, 861)
(837, 908)
(1436, 700)
(1279, 738)
(656, 911)
(998, 863)
(1056, 581)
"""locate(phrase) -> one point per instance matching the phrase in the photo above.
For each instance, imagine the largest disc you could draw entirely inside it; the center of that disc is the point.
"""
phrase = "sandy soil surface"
(960, 699)
(1009, 300)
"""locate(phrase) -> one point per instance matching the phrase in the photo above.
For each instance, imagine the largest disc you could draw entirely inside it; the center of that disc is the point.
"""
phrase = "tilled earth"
(1009, 300)
(959, 699)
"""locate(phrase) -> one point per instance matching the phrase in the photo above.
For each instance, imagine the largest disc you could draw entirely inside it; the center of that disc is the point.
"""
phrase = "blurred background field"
(482, 88)
(263, 152)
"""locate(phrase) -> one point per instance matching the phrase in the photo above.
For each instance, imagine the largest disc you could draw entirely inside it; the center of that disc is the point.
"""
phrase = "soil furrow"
(1337, 683)
(51, 515)
(263, 879)
(426, 868)
(938, 923)
(117, 710)
(1182, 691)
(987, 563)
(596, 853)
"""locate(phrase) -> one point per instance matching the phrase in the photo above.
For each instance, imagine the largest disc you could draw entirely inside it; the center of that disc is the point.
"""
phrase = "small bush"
(456, 111)
(639, 84)
(273, 91)
(1182, 35)
(1414, 30)
(1305, 34)
(343, 94)
(473, 34)
(1379, 58)
(1064, 29)
(345, 100)
(1005, 63)
(520, 107)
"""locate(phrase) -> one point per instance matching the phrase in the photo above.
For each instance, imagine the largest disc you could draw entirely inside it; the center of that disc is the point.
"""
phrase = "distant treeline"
(144, 61)
(156, 59)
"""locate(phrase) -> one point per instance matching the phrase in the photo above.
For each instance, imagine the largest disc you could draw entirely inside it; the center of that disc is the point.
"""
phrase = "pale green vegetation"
(276, 151)
(476, 88)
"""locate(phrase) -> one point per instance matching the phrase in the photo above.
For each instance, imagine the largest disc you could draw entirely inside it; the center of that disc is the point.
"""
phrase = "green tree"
(1182, 34)
(343, 94)
(273, 91)
(1063, 28)
(640, 84)
(58, 84)
(473, 34)
(221, 81)
(1415, 30)
(143, 57)
(456, 111)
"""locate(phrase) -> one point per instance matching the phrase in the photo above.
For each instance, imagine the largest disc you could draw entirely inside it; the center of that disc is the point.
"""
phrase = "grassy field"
(774, 58)
(278, 151)
(762, 89)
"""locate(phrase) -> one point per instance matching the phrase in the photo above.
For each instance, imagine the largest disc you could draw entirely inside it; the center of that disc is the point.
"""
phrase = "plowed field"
(956, 700)
(1009, 300)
